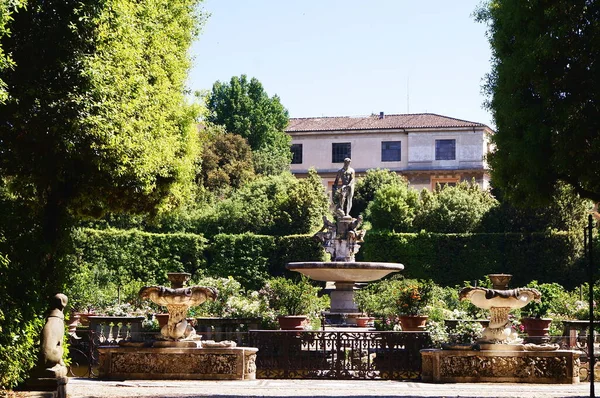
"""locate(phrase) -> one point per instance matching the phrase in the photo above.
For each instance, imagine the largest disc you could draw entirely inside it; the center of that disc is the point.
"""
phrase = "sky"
(350, 57)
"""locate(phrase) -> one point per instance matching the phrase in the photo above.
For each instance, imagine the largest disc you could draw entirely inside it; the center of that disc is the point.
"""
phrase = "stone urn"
(413, 323)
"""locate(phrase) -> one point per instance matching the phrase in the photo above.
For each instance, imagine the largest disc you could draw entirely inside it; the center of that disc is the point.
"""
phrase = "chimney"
(381, 115)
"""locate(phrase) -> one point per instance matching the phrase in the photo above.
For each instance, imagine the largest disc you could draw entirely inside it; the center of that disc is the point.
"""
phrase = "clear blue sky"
(350, 57)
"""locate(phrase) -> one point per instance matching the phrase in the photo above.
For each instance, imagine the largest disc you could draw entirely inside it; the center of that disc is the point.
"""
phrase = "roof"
(376, 122)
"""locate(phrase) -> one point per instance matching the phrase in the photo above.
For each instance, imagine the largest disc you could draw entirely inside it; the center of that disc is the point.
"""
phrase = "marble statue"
(343, 199)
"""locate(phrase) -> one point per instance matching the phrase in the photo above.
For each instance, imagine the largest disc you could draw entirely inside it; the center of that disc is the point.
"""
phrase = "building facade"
(425, 148)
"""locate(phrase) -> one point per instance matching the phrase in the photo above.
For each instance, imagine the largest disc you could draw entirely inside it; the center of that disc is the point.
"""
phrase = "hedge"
(147, 257)
(252, 259)
(140, 255)
(451, 259)
(448, 259)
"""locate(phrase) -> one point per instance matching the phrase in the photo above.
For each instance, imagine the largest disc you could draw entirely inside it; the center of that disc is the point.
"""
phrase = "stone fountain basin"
(339, 271)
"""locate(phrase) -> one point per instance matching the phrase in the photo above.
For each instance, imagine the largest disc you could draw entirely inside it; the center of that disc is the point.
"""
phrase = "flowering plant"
(413, 296)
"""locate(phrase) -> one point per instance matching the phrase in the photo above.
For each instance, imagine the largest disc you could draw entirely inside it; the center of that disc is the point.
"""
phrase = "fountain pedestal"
(462, 366)
(118, 363)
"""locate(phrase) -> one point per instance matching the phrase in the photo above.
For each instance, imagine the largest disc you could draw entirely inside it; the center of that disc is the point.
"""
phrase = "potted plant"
(537, 323)
(463, 336)
(293, 302)
(411, 299)
(369, 303)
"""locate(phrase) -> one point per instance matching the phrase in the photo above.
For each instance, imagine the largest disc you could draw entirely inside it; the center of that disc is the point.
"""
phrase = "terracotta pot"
(536, 327)
(364, 321)
(413, 323)
(162, 319)
(292, 322)
(84, 317)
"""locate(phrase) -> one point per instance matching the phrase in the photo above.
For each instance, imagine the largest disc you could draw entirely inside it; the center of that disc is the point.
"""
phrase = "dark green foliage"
(244, 108)
(289, 297)
(374, 179)
(566, 212)
(543, 91)
(450, 259)
(226, 161)
(292, 249)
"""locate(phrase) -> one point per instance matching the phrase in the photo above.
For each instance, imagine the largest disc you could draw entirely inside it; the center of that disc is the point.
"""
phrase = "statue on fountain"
(342, 238)
(343, 199)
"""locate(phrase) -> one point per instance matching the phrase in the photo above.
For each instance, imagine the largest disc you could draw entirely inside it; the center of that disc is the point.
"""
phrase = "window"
(296, 153)
(450, 181)
(390, 151)
(445, 149)
(340, 151)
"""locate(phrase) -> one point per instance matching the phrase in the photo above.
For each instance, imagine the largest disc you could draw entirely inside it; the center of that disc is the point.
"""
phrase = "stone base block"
(546, 367)
(55, 387)
(118, 363)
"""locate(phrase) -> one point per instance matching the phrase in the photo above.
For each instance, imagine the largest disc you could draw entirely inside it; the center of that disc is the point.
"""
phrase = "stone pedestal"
(55, 387)
(118, 363)
(462, 366)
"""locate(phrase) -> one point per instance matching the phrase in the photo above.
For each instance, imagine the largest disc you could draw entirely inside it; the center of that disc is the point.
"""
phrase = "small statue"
(327, 232)
(50, 361)
(353, 234)
(343, 198)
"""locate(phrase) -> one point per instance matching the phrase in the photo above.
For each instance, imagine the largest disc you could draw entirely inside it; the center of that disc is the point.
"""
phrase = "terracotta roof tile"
(403, 121)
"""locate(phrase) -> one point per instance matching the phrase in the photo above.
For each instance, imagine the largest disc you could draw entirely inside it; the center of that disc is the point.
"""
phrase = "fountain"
(342, 239)
(500, 301)
(178, 353)
(500, 356)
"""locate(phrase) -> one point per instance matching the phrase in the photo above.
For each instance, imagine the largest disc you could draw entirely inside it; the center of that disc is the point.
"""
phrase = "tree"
(244, 108)
(7, 7)
(367, 186)
(226, 161)
(453, 209)
(95, 119)
(543, 92)
(393, 208)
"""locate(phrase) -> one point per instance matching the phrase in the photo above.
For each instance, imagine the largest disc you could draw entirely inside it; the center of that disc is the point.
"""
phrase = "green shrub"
(393, 208)
(287, 297)
(453, 209)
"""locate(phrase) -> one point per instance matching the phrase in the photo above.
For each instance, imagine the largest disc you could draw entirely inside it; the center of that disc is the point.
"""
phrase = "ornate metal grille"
(339, 354)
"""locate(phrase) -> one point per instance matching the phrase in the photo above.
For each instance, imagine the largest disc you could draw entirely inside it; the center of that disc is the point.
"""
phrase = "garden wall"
(451, 259)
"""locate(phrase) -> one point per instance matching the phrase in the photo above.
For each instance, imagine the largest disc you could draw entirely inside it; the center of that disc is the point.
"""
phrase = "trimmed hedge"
(147, 257)
(451, 259)
(252, 259)
(448, 259)
(140, 255)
